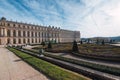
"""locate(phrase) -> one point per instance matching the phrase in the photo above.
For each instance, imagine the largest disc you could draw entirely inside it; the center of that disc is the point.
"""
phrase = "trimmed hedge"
(103, 68)
(98, 57)
(53, 71)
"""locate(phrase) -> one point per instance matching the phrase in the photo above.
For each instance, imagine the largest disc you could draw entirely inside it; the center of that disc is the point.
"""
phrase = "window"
(32, 34)
(8, 41)
(8, 33)
(39, 34)
(23, 33)
(39, 40)
(13, 25)
(36, 40)
(8, 24)
(0, 41)
(23, 26)
(28, 34)
(19, 25)
(24, 41)
(28, 41)
(14, 41)
(14, 33)
(35, 34)
(32, 40)
(19, 33)
(19, 41)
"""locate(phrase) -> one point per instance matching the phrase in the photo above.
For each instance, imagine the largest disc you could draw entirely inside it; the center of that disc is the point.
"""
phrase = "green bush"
(43, 44)
(49, 45)
(75, 47)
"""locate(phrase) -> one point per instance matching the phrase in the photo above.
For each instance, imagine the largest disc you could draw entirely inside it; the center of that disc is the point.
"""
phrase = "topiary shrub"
(43, 44)
(75, 47)
(49, 45)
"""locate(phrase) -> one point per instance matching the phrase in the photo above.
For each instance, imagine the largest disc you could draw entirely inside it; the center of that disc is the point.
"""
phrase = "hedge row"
(103, 68)
(98, 57)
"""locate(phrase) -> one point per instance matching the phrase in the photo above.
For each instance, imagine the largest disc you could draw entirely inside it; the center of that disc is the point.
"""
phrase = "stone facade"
(16, 33)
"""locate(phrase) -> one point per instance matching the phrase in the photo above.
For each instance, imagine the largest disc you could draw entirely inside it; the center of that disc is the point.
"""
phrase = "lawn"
(53, 71)
(108, 50)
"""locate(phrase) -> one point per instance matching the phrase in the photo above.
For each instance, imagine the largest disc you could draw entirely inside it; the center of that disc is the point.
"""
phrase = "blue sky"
(90, 17)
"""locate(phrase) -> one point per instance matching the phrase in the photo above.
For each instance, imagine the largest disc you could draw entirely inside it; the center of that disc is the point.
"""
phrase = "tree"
(49, 45)
(97, 42)
(43, 44)
(88, 41)
(111, 41)
(75, 47)
(81, 42)
(103, 42)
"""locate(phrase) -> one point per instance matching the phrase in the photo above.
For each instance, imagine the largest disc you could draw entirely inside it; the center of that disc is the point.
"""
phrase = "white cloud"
(91, 17)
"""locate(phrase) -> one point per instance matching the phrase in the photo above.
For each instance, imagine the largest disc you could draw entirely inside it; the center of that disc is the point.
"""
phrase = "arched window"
(36, 40)
(24, 41)
(35, 34)
(39, 34)
(19, 41)
(8, 24)
(19, 33)
(0, 41)
(8, 33)
(23, 33)
(13, 25)
(14, 41)
(32, 40)
(42, 34)
(32, 34)
(8, 41)
(39, 40)
(28, 41)
(28, 34)
(14, 33)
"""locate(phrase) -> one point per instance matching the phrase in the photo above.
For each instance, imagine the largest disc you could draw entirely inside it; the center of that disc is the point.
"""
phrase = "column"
(0, 32)
(26, 34)
(16, 33)
(5, 32)
(21, 33)
(11, 33)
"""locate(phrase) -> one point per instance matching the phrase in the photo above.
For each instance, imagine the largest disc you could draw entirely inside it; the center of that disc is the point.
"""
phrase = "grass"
(53, 71)
(103, 68)
(93, 49)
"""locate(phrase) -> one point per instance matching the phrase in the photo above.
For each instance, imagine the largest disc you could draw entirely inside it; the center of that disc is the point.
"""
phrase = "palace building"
(16, 33)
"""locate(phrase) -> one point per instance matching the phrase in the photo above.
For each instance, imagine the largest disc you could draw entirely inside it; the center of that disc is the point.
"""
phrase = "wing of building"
(16, 33)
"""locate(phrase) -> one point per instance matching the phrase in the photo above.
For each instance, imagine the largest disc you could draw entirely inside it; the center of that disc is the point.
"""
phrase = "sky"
(93, 18)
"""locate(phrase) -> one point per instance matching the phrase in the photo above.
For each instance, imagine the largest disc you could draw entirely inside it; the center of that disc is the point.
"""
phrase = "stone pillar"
(0, 32)
(16, 33)
(11, 33)
(5, 30)
(30, 33)
(21, 33)
(26, 33)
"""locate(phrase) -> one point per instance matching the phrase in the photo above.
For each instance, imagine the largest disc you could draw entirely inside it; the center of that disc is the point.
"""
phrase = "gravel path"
(13, 68)
(67, 55)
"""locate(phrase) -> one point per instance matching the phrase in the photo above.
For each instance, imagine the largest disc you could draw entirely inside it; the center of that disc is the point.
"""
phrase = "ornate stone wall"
(16, 33)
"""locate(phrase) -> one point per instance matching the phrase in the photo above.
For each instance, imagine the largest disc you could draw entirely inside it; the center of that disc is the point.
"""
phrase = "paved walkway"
(13, 68)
